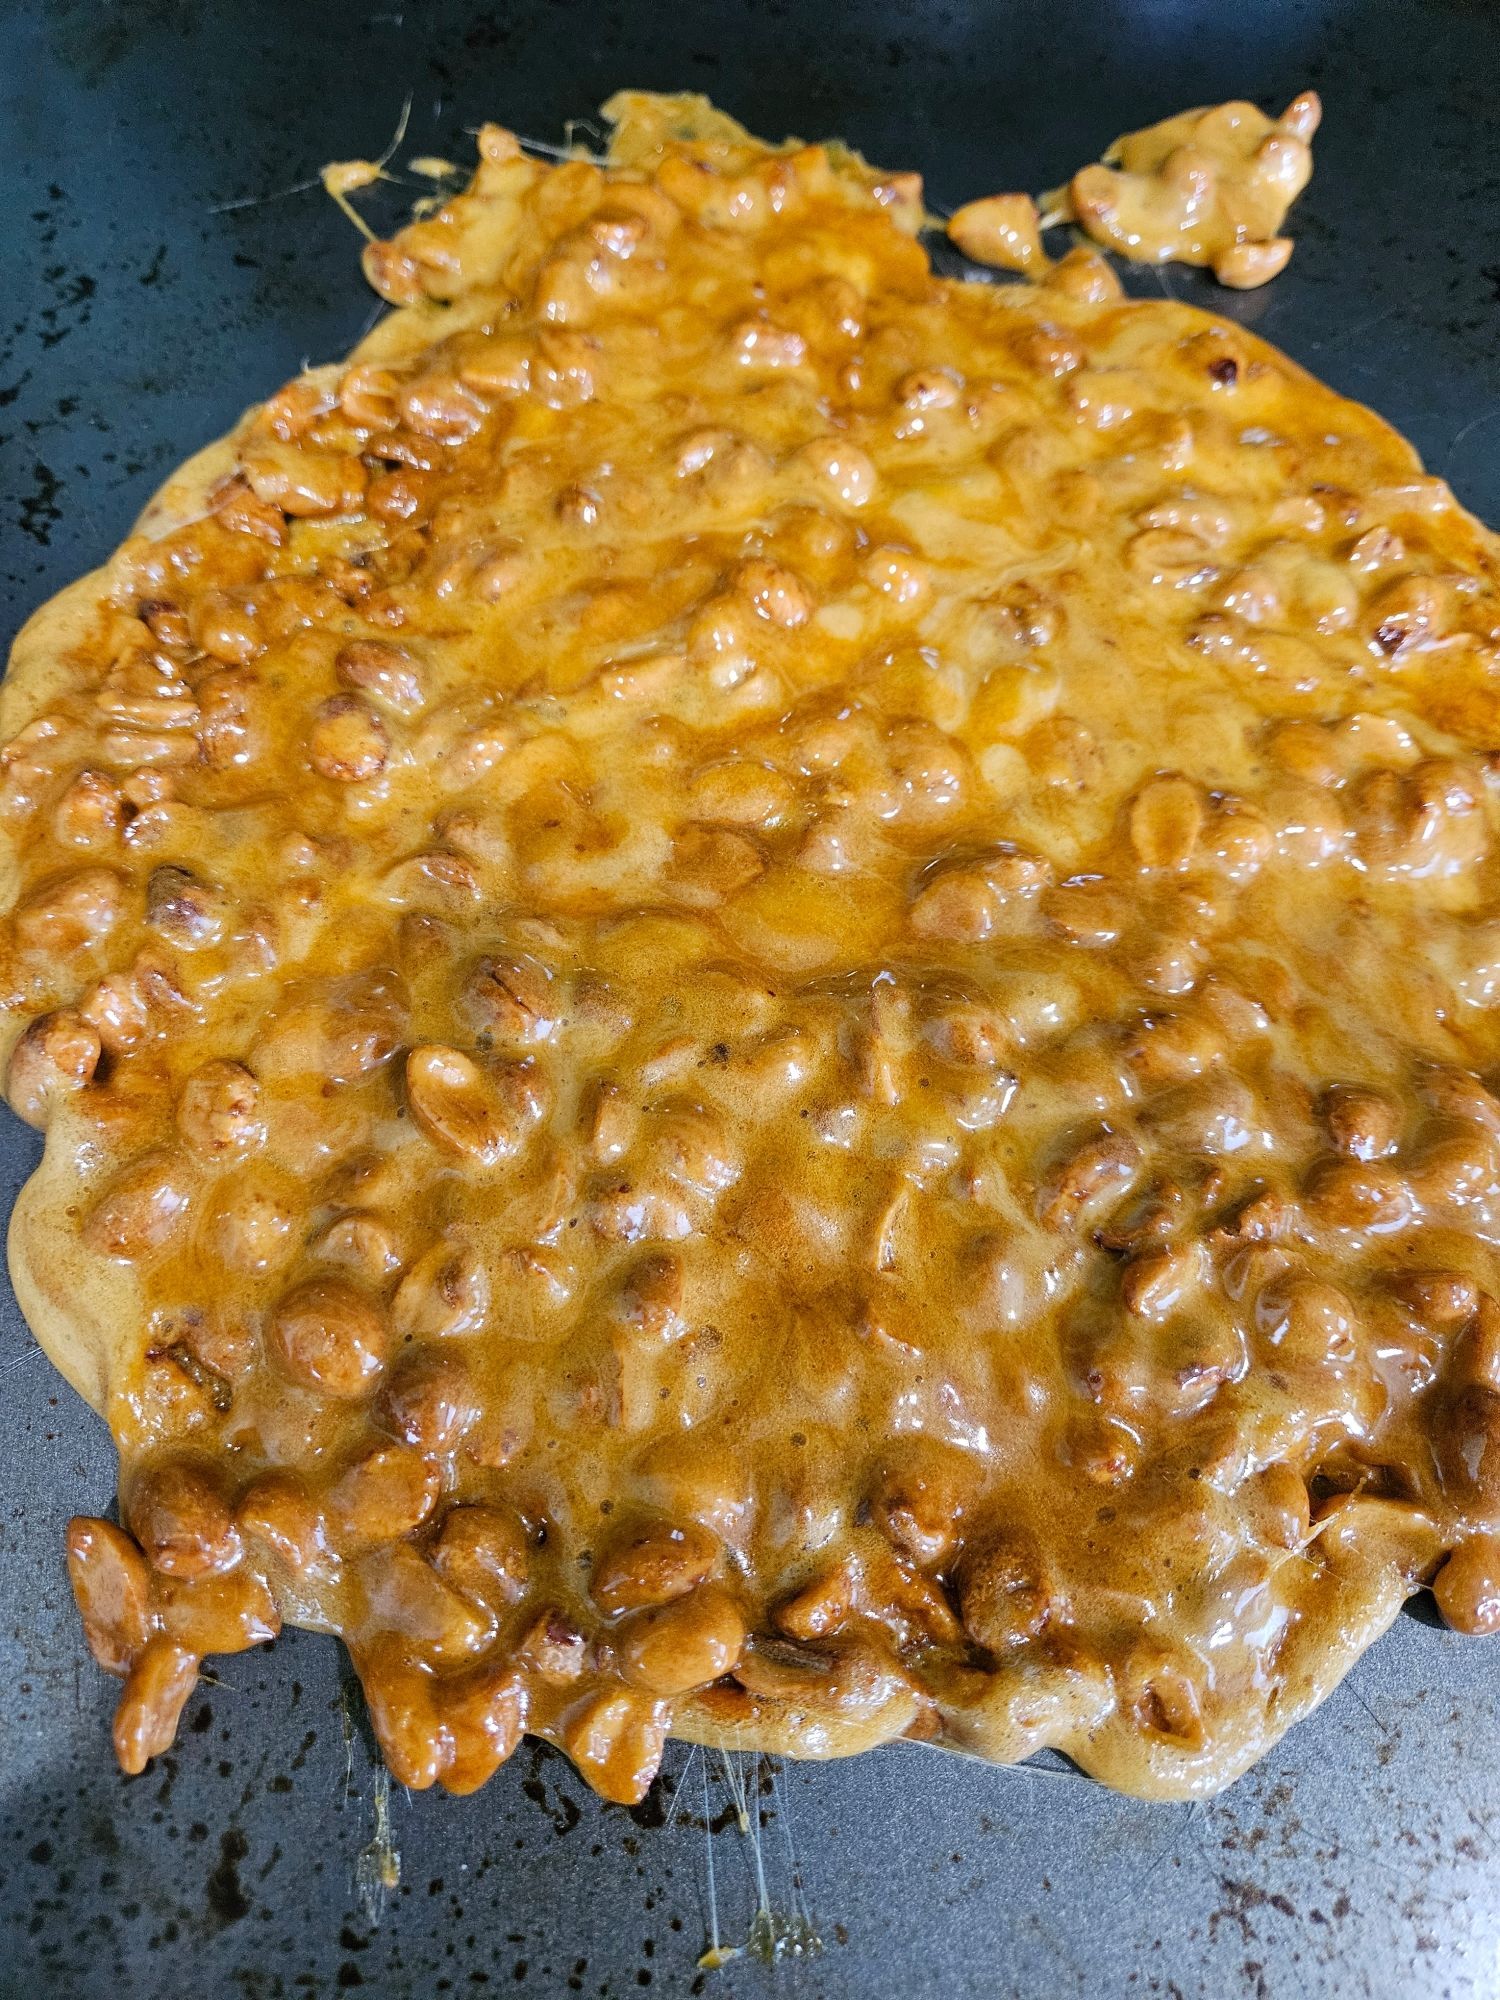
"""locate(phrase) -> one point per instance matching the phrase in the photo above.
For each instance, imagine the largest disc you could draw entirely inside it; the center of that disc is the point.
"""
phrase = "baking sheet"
(154, 276)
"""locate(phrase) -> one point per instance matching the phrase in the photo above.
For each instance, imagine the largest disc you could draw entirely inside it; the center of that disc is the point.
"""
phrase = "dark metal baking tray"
(139, 309)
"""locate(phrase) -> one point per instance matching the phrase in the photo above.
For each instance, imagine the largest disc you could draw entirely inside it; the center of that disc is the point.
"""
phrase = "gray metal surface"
(136, 316)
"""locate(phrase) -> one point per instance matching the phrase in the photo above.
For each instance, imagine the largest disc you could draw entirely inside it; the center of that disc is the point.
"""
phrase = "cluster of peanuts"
(1208, 187)
(773, 982)
(1205, 187)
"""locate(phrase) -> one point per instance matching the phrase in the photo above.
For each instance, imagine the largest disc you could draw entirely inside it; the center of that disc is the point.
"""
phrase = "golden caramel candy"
(764, 994)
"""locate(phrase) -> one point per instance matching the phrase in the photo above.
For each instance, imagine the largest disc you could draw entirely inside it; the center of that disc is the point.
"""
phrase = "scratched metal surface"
(137, 314)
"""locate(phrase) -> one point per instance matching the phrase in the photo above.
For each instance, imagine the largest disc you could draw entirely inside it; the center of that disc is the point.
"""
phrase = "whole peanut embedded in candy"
(1000, 229)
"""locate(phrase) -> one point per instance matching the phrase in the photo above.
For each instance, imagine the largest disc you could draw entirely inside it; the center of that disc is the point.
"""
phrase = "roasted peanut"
(383, 1495)
(218, 1113)
(427, 1400)
(445, 1293)
(407, 1599)
(162, 1677)
(1353, 1194)
(108, 1575)
(386, 673)
(919, 1503)
(821, 1607)
(278, 1511)
(999, 229)
(364, 1243)
(1282, 1497)
(401, 1696)
(182, 1520)
(70, 913)
(511, 1000)
(685, 1644)
(57, 1055)
(1466, 1445)
(140, 1210)
(652, 1566)
(485, 1713)
(186, 912)
(555, 1647)
(464, 1110)
(348, 742)
(1005, 1593)
(1362, 1123)
(252, 1229)
(1106, 1161)
(325, 1335)
(482, 1551)
(217, 1614)
(1166, 820)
